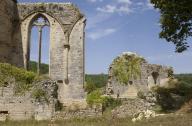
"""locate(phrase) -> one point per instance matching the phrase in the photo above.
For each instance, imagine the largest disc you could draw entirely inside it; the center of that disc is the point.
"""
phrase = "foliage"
(176, 93)
(127, 67)
(44, 68)
(23, 78)
(99, 80)
(39, 94)
(176, 21)
(186, 78)
(109, 102)
(141, 95)
(164, 98)
(89, 87)
(96, 98)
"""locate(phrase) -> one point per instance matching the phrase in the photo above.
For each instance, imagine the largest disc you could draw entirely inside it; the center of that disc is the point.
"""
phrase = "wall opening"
(39, 45)
(155, 76)
(4, 112)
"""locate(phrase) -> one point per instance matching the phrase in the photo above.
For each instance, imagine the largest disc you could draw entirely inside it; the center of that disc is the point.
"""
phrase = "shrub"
(164, 98)
(94, 98)
(141, 95)
(90, 87)
(23, 78)
(109, 102)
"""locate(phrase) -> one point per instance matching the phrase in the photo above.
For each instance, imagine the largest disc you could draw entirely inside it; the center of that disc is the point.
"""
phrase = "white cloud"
(140, 3)
(107, 9)
(115, 9)
(101, 33)
(97, 19)
(95, 1)
(125, 1)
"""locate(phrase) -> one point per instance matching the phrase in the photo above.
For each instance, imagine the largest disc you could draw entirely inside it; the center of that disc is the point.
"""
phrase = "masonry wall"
(74, 90)
(67, 26)
(143, 83)
(10, 37)
(23, 107)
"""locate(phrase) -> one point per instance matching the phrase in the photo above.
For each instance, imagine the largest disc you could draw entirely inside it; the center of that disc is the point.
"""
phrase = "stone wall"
(67, 37)
(67, 26)
(151, 75)
(22, 107)
(80, 113)
(10, 37)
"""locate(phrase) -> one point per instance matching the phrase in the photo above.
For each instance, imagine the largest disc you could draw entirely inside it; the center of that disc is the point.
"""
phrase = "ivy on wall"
(126, 67)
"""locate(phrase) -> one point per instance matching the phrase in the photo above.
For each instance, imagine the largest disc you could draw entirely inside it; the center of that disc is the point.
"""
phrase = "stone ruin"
(23, 107)
(66, 42)
(151, 75)
(66, 65)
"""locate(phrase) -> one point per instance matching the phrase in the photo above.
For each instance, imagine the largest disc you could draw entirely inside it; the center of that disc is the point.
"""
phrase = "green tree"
(176, 21)
(127, 67)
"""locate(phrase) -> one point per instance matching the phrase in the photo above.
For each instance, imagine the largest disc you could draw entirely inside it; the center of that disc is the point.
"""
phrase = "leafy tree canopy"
(176, 21)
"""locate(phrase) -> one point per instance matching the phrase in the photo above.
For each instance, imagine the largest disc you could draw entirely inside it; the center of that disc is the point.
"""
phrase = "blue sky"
(116, 26)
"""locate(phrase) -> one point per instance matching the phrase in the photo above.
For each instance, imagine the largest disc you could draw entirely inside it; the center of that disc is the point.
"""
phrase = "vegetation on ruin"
(176, 16)
(24, 81)
(127, 67)
(96, 98)
(39, 94)
(23, 78)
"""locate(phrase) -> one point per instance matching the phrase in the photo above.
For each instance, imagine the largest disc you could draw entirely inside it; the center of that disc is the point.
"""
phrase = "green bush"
(18, 73)
(23, 78)
(95, 98)
(90, 87)
(164, 98)
(109, 102)
(141, 95)
(173, 95)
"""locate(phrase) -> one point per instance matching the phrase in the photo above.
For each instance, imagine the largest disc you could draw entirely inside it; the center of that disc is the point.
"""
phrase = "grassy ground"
(168, 120)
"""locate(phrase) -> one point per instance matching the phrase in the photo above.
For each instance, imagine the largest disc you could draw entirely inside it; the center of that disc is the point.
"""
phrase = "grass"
(167, 120)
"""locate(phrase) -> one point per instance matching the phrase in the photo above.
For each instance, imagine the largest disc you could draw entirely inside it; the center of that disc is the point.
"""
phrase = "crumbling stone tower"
(67, 26)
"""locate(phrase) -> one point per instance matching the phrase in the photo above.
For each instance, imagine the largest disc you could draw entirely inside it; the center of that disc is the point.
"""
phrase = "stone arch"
(42, 13)
(33, 19)
(67, 35)
(56, 30)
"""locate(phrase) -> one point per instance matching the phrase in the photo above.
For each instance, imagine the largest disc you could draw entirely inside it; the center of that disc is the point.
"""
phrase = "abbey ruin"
(67, 26)
(66, 41)
(151, 75)
(65, 86)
